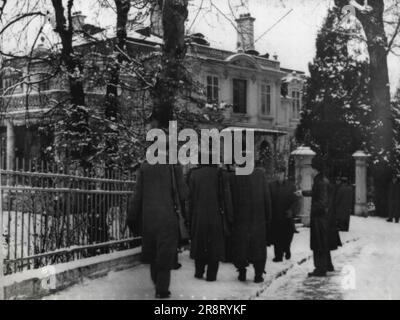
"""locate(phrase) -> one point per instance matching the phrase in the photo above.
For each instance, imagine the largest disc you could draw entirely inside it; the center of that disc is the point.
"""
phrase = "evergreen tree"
(336, 111)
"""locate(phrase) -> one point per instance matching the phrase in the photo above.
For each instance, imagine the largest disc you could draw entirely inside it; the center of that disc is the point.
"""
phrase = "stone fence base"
(35, 284)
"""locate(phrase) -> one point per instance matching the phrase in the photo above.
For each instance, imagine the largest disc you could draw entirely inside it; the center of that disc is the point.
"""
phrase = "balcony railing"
(41, 101)
(32, 101)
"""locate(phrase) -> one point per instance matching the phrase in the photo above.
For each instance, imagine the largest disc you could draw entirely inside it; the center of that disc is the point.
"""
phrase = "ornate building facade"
(261, 94)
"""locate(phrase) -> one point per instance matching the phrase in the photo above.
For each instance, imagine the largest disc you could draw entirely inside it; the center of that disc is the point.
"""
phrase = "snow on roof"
(138, 36)
(256, 130)
(293, 75)
(110, 33)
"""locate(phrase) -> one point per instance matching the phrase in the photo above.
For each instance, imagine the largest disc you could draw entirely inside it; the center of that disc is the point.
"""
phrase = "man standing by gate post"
(324, 237)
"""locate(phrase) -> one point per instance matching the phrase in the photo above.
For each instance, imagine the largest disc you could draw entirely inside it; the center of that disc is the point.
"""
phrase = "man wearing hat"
(323, 232)
(209, 215)
(159, 190)
(283, 204)
(251, 222)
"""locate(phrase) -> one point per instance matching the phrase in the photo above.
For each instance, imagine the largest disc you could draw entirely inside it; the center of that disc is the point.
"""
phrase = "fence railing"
(52, 217)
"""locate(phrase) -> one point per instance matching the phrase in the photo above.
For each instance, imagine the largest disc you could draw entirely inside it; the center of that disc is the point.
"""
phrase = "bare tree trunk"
(381, 143)
(64, 28)
(382, 137)
(111, 104)
(174, 15)
(112, 107)
(379, 84)
(79, 121)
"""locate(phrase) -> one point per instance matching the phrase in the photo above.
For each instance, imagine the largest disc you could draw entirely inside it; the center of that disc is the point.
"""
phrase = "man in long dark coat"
(284, 202)
(394, 200)
(209, 216)
(251, 222)
(153, 207)
(343, 203)
(324, 236)
(229, 173)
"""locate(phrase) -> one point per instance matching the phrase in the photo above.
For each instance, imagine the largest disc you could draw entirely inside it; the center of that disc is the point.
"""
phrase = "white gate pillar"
(303, 157)
(361, 207)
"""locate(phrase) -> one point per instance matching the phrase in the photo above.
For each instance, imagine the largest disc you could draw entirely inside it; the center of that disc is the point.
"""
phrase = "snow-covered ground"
(366, 268)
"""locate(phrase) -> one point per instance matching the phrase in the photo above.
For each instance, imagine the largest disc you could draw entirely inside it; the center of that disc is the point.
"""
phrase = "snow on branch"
(362, 8)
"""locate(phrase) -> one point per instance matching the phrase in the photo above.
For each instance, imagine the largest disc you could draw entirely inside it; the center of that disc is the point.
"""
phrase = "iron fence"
(53, 215)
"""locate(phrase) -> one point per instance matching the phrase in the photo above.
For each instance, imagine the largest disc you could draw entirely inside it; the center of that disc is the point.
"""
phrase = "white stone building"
(263, 95)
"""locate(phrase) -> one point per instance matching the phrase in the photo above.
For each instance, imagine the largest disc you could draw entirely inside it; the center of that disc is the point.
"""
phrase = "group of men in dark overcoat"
(229, 217)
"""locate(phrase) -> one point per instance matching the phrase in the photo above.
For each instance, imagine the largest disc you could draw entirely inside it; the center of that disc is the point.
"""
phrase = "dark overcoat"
(210, 213)
(324, 235)
(344, 203)
(152, 208)
(394, 200)
(251, 219)
(283, 205)
(334, 237)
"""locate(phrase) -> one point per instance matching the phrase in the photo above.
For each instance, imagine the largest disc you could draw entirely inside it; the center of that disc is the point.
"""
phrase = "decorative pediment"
(243, 64)
(243, 61)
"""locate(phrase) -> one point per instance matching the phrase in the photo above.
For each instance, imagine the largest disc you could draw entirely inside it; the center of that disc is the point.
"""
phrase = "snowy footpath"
(367, 267)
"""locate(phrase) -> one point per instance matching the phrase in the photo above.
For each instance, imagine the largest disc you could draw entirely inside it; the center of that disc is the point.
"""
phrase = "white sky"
(293, 38)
